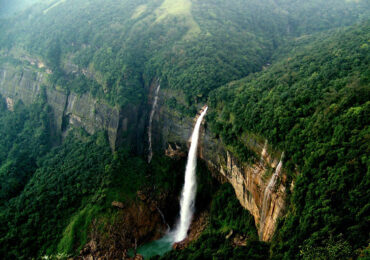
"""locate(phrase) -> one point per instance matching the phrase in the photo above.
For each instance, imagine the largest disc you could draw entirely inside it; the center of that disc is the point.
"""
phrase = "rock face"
(257, 192)
(72, 110)
(250, 180)
(250, 183)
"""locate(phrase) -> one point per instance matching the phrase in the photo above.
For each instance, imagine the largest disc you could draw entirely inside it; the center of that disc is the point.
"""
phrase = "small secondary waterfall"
(189, 189)
(163, 219)
(154, 106)
(267, 194)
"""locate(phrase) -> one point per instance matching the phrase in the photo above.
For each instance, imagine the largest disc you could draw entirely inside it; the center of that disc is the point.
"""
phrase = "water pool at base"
(163, 245)
(157, 247)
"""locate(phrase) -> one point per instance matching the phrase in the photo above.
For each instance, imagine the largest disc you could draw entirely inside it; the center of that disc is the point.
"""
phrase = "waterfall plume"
(189, 189)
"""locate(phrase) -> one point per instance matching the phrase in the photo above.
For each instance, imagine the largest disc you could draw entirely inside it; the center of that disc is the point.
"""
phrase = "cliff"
(123, 125)
(259, 186)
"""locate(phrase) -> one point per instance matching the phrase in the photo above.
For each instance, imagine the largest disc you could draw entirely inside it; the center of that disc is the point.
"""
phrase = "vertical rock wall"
(71, 110)
(171, 133)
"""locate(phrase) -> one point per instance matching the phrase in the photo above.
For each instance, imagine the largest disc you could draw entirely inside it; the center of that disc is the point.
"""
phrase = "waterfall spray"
(154, 106)
(189, 189)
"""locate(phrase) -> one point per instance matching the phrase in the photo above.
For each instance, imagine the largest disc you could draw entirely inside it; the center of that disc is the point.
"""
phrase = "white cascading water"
(267, 194)
(264, 151)
(154, 106)
(189, 189)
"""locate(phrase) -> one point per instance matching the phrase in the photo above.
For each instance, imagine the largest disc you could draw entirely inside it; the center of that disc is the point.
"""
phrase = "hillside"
(88, 89)
(112, 49)
(313, 103)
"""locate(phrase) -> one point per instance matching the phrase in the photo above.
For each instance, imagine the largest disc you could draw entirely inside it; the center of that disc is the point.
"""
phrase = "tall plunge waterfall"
(189, 189)
(154, 106)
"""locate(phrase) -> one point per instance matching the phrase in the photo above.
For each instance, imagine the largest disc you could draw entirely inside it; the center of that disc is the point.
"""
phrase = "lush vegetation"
(226, 215)
(314, 105)
(312, 102)
(113, 49)
(49, 196)
(24, 137)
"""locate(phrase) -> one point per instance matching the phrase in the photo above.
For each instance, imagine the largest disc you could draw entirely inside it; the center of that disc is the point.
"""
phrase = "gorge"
(108, 151)
(84, 112)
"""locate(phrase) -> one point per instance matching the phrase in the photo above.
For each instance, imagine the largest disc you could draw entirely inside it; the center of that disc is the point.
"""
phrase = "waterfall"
(154, 106)
(189, 189)
(267, 194)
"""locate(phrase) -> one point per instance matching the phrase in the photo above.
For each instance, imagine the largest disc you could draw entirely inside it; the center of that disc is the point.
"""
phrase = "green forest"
(314, 105)
(194, 52)
(295, 73)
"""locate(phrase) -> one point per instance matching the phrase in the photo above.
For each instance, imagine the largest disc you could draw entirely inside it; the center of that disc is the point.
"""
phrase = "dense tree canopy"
(313, 103)
(193, 46)
(293, 72)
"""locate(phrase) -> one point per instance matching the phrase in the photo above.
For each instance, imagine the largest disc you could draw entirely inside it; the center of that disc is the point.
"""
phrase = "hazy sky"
(8, 7)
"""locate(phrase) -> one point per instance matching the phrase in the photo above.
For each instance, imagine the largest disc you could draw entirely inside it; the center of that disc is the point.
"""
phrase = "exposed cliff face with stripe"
(72, 110)
(251, 183)
(250, 180)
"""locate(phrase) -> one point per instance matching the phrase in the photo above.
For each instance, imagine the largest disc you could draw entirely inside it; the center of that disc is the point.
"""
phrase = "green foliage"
(127, 174)
(24, 137)
(332, 249)
(2, 104)
(193, 46)
(226, 214)
(70, 186)
(75, 234)
(313, 104)
(365, 253)
(65, 177)
(166, 174)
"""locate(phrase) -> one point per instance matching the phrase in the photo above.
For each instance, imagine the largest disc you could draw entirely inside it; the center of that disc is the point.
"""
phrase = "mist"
(9, 8)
